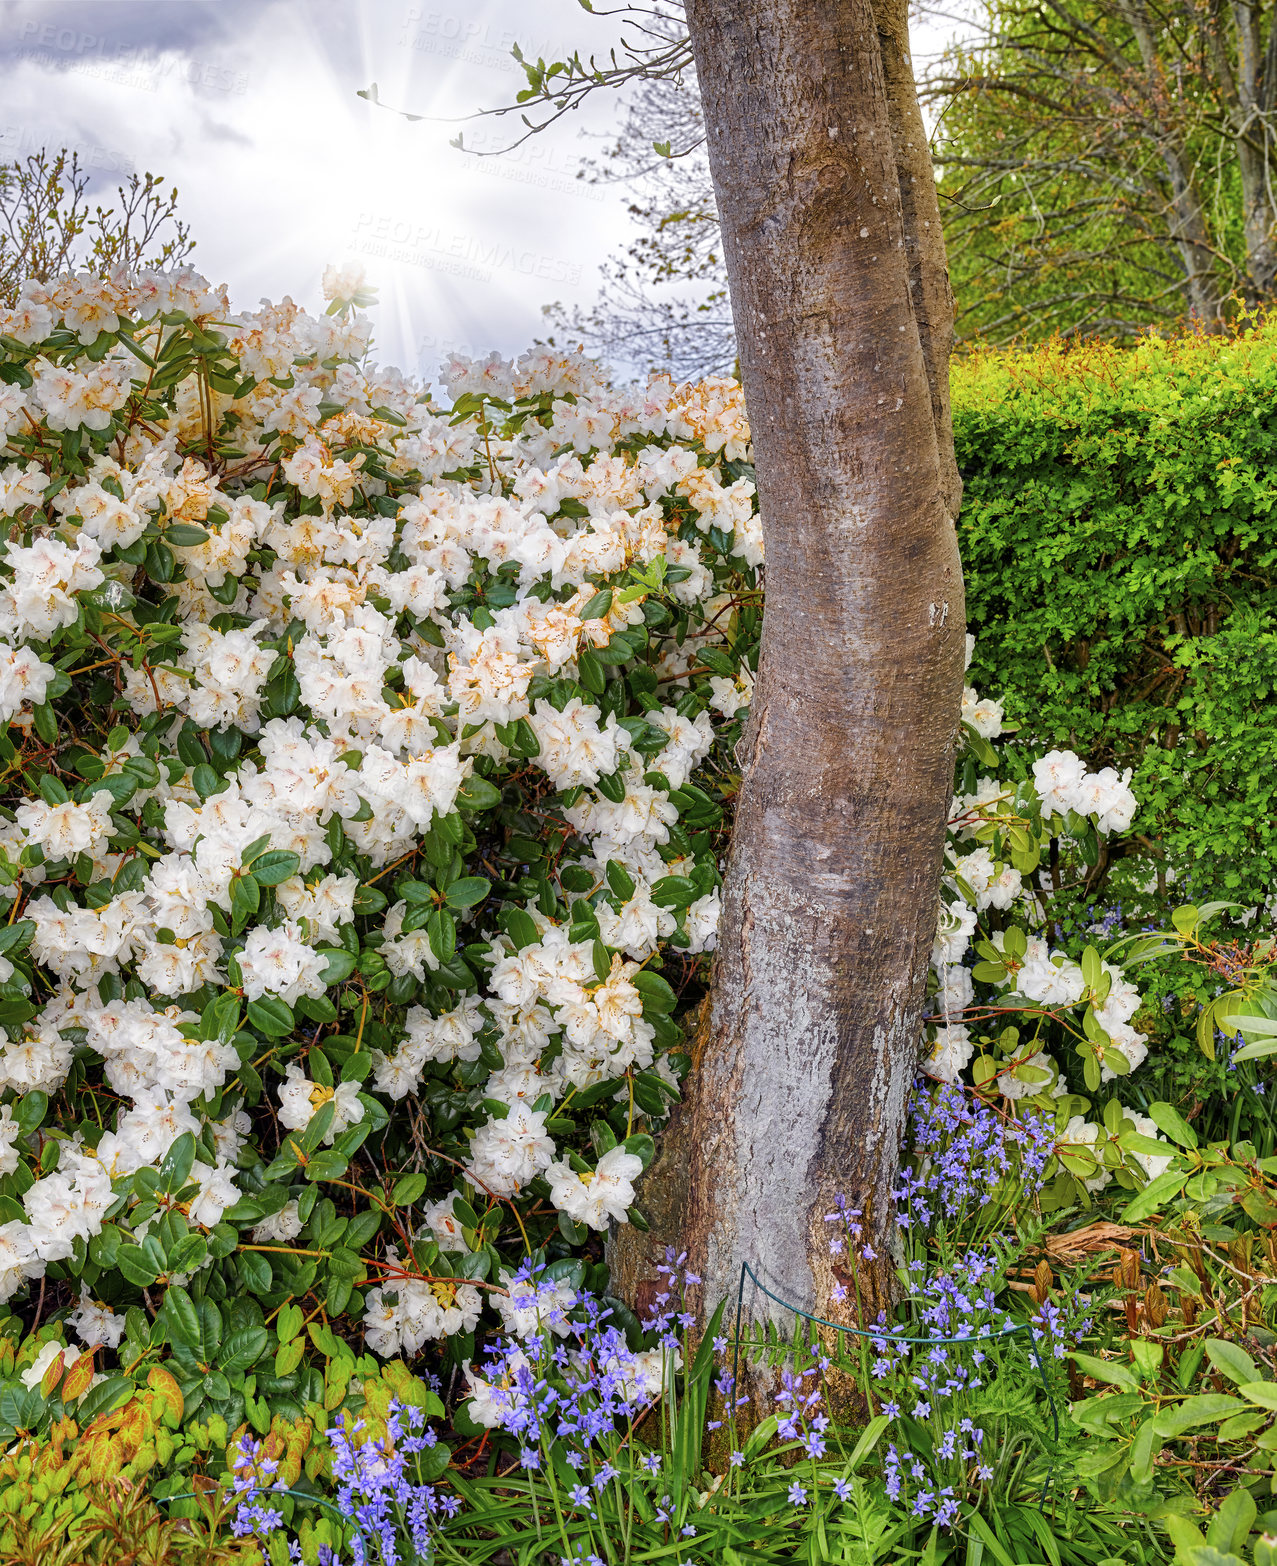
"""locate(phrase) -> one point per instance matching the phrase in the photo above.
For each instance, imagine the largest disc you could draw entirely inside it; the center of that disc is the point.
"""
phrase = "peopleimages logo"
(465, 249)
(21, 139)
(98, 54)
(472, 40)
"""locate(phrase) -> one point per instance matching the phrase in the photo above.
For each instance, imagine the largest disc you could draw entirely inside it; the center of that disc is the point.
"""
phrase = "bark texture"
(802, 1065)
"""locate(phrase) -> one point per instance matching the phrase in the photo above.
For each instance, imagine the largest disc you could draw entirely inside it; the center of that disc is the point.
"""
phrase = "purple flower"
(797, 1495)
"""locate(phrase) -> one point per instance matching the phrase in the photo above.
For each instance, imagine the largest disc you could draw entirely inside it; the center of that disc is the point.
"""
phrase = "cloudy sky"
(250, 108)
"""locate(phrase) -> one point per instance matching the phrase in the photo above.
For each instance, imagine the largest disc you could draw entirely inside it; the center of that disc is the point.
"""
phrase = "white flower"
(282, 1226)
(96, 1323)
(300, 1099)
(280, 962)
(505, 1154)
(1080, 1133)
(600, 1198)
(1151, 1164)
(950, 1053)
(984, 715)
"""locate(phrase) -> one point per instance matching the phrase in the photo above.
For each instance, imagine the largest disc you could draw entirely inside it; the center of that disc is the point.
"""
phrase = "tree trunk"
(839, 290)
(1188, 222)
(1249, 96)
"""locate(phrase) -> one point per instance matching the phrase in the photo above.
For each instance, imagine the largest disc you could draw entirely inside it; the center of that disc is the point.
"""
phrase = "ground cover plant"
(369, 767)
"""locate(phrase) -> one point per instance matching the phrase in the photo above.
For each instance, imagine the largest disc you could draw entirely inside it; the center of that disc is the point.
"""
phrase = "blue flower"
(797, 1495)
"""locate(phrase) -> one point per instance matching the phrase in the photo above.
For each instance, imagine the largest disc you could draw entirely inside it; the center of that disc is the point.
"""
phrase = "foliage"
(619, 1441)
(46, 226)
(1116, 534)
(73, 1482)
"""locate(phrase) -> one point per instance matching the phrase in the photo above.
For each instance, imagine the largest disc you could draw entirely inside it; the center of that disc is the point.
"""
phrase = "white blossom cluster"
(987, 871)
(356, 599)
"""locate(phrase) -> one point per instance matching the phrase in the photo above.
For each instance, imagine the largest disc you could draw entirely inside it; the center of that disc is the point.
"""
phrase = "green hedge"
(1120, 542)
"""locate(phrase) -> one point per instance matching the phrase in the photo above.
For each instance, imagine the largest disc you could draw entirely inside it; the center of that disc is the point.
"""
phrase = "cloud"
(74, 30)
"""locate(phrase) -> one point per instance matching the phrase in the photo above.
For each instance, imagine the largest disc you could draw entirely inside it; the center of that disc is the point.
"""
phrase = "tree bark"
(1189, 226)
(1248, 96)
(802, 1066)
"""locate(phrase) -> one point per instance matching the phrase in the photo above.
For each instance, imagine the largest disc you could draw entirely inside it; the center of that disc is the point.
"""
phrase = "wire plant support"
(885, 1335)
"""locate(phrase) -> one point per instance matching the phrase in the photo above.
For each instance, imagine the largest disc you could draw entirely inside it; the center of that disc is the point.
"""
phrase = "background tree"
(1107, 167)
(664, 303)
(1109, 164)
(48, 226)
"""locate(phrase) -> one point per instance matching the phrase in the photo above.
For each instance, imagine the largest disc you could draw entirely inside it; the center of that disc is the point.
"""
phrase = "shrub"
(1117, 535)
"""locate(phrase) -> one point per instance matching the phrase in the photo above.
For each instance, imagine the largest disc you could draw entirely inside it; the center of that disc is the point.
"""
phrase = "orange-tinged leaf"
(166, 1389)
(49, 1382)
(79, 1378)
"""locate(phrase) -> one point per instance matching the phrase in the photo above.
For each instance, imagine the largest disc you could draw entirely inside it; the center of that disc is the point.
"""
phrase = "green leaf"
(1232, 1361)
(289, 1322)
(1203, 1410)
(1230, 1527)
(339, 964)
(183, 1319)
(468, 891)
(521, 928)
(246, 899)
(591, 672)
(441, 928)
(1144, 1449)
(1169, 1120)
(1264, 1393)
(175, 1166)
(1155, 1195)
(102, 1398)
(288, 1356)
(135, 1267)
(408, 1189)
(641, 1146)
(280, 864)
(185, 536)
(30, 1110)
(271, 1016)
(477, 793)
(254, 1269)
(243, 1349)
(1106, 1371)
(210, 1330)
(675, 891)
(657, 994)
(1255, 1051)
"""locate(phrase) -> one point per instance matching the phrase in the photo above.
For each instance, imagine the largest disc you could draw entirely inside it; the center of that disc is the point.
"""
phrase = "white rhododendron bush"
(368, 751)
